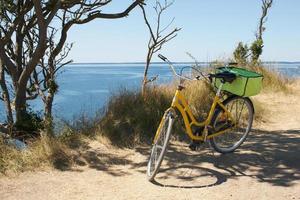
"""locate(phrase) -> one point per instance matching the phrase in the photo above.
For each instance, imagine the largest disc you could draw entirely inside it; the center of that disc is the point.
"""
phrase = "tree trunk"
(145, 79)
(6, 97)
(144, 83)
(48, 119)
(20, 104)
(48, 100)
(48, 107)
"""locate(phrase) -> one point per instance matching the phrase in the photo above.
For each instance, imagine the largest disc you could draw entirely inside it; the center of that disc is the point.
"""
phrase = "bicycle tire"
(218, 142)
(163, 139)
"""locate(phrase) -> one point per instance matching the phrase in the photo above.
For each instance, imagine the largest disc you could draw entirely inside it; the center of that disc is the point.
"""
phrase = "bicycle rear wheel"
(241, 109)
(160, 145)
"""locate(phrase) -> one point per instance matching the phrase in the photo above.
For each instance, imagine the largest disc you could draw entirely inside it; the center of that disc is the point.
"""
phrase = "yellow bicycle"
(226, 127)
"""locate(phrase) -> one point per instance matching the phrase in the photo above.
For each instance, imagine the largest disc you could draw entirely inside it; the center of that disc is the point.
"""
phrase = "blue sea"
(86, 87)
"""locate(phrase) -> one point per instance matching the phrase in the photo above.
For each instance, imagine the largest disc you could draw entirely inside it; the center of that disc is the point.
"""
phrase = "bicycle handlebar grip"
(233, 63)
(162, 57)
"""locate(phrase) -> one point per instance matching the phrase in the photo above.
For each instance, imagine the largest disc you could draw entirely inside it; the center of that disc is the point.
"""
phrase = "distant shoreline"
(136, 63)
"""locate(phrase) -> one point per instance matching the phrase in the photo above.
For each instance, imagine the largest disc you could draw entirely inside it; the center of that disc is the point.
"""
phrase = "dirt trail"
(267, 166)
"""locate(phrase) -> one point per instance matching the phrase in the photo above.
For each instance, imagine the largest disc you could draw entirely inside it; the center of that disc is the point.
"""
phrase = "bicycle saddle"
(225, 76)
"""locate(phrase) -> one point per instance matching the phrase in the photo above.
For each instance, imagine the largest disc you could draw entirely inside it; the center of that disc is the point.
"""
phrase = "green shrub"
(256, 50)
(241, 53)
(32, 121)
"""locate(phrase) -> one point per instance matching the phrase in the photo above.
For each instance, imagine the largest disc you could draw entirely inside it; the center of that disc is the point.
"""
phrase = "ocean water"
(85, 88)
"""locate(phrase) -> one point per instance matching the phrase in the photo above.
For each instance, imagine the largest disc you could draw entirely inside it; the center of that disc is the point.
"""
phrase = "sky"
(211, 29)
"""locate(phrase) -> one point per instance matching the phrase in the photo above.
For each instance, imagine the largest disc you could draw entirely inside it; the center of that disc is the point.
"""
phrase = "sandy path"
(267, 166)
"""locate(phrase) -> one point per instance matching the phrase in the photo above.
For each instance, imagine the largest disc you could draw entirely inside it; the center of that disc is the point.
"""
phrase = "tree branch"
(41, 46)
(147, 23)
(11, 67)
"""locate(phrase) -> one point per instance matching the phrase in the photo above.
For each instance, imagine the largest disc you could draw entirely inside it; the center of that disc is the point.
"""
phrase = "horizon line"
(179, 62)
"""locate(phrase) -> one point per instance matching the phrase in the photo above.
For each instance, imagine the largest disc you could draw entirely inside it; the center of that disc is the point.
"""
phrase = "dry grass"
(200, 97)
(273, 81)
(42, 153)
(131, 119)
(260, 111)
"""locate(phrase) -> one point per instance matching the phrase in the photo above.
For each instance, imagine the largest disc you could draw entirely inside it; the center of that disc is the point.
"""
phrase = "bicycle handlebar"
(162, 57)
(174, 71)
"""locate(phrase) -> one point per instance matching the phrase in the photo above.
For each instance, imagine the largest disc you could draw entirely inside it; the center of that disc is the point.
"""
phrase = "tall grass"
(273, 81)
(131, 118)
(44, 152)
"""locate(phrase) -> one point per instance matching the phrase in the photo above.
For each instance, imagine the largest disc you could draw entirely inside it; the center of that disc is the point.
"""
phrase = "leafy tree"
(18, 20)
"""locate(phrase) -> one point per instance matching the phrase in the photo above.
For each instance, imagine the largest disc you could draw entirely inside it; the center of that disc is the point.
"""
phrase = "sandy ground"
(267, 166)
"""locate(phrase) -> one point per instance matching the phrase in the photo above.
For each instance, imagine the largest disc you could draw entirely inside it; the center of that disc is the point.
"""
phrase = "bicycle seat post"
(219, 90)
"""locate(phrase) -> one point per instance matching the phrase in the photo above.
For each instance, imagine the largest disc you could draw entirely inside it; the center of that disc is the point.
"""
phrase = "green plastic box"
(247, 83)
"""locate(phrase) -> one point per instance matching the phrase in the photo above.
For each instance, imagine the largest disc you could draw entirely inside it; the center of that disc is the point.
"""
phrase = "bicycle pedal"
(195, 146)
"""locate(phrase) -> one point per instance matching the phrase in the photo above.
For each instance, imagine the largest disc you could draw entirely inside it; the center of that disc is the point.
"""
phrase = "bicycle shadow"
(268, 156)
(190, 182)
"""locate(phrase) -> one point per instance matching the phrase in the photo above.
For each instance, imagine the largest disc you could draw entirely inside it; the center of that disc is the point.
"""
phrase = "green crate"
(247, 83)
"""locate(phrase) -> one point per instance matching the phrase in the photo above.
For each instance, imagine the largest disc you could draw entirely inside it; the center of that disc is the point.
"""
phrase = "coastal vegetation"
(129, 120)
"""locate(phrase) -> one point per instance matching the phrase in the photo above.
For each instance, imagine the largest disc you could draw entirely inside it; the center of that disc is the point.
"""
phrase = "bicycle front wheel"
(241, 110)
(160, 144)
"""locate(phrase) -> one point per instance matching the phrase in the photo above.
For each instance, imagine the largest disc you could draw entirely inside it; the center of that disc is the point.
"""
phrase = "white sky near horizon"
(210, 30)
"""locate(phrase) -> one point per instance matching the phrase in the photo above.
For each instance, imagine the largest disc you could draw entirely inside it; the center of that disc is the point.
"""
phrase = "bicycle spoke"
(231, 139)
(236, 109)
(159, 148)
(240, 113)
(230, 108)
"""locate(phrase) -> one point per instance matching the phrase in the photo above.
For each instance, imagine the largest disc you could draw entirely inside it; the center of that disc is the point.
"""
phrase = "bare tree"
(257, 46)
(19, 18)
(241, 52)
(266, 5)
(158, 35)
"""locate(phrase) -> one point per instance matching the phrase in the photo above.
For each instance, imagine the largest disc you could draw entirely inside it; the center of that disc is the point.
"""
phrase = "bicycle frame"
(179, 103)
